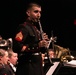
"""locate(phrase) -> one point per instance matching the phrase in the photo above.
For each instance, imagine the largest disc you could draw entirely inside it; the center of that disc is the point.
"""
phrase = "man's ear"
(28, 12)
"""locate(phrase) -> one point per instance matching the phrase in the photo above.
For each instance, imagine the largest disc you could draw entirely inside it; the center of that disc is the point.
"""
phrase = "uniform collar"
(30, 22)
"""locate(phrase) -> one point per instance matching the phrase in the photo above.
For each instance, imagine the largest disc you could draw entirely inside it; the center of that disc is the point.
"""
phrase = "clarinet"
(42, 37)
(41, 34)
(41, 30)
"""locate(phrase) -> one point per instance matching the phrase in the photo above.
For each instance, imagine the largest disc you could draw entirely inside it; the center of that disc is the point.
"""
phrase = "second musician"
(29, 44)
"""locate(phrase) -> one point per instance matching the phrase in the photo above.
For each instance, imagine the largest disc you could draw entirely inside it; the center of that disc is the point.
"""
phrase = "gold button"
(28, 48)
(32, 47)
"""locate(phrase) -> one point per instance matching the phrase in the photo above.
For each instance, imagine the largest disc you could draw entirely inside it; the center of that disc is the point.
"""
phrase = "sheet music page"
(52, 68)
(71, 63)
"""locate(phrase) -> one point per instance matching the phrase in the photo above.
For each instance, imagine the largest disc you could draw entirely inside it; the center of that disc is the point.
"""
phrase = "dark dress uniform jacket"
(11, 68)
(28, 63)
(5, 70)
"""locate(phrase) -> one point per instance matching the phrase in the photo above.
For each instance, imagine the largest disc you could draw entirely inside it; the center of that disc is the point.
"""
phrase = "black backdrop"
(57, 16)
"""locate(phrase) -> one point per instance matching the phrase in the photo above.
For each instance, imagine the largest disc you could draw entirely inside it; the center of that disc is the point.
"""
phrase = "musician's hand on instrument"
(53, 39)
(24, 48)
(45, 36)
(43, 43)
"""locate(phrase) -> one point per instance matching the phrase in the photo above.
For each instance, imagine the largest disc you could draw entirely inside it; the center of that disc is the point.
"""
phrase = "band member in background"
(4, 69)
(51, 53)
(13, 60)
(29, 44)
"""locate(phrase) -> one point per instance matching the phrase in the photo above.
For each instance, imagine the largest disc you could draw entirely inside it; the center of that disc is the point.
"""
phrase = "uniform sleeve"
(19, 39)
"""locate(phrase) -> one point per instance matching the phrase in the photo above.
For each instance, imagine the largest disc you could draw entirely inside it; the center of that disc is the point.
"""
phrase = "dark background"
(57, 16)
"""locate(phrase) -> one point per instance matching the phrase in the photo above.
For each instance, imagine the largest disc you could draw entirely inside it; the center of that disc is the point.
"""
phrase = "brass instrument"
(10, 43)
(6, 44)
(63, 53)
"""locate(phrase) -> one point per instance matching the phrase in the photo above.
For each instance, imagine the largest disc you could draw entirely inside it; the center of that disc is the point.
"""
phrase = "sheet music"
(52, 68)
(71, 63)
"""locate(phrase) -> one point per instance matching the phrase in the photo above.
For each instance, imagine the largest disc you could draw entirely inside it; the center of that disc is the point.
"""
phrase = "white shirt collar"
(13, 67)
